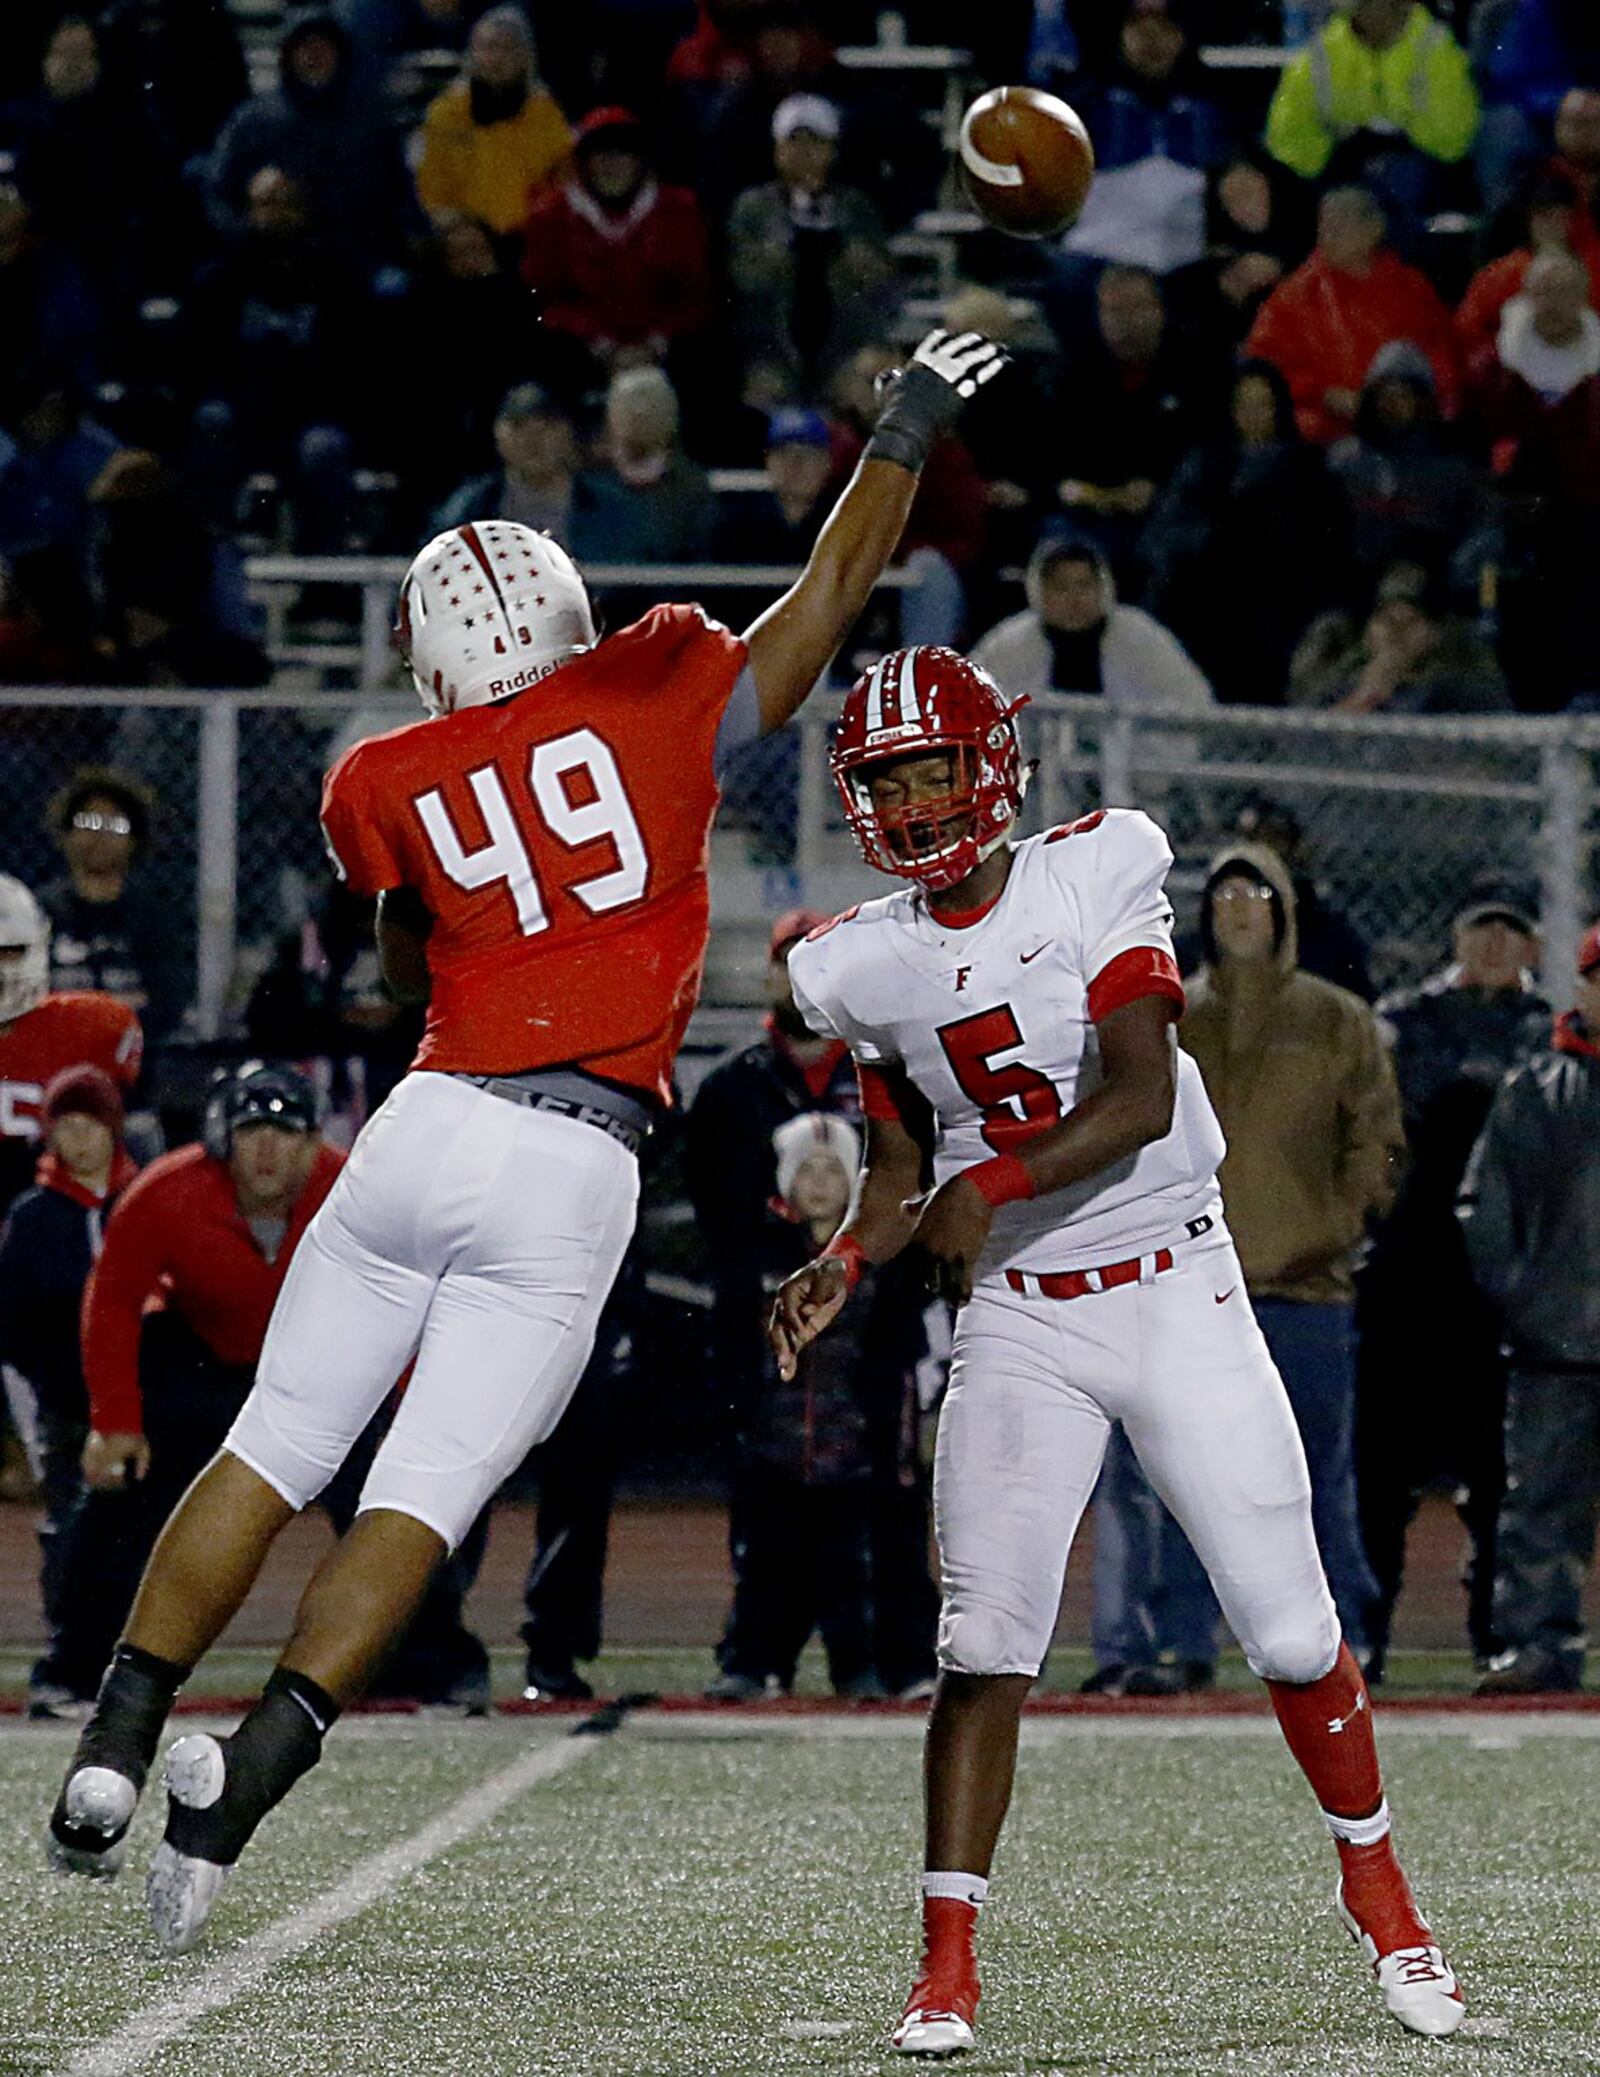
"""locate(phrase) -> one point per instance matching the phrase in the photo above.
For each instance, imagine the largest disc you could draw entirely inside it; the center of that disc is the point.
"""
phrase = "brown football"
(1027, 161)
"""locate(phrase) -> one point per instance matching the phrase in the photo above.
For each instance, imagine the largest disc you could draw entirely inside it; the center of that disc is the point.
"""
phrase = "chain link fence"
(1398, 816)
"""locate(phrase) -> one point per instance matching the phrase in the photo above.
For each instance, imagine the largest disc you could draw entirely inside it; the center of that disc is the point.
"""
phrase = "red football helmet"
(911, 703)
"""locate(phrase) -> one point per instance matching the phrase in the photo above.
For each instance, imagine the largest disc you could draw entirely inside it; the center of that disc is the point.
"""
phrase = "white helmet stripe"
(875, 696)
(910, 706)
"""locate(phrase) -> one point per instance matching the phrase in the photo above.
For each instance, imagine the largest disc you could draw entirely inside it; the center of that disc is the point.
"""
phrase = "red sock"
(949, 1973)
(1328, 1725)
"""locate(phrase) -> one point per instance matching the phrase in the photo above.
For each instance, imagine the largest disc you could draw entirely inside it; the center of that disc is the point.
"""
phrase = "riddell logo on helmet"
(499, 687)
(896, 735)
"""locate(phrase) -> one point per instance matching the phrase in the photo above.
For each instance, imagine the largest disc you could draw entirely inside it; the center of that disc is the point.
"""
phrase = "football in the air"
(1027, 161)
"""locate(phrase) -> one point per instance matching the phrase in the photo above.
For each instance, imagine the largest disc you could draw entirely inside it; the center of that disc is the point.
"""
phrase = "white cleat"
(96, 1806)
(933, 2034)
(1417, 1984)
(181, 1889)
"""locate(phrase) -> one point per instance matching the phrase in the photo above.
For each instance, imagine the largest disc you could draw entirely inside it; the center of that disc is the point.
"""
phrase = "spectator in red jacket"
(174, 1317)
(1550, 219)
(1323, 325)
(1537, 390)
(617, 260)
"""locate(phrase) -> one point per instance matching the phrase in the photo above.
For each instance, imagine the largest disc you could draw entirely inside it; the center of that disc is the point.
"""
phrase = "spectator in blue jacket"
(47, 1248)
(329, 131)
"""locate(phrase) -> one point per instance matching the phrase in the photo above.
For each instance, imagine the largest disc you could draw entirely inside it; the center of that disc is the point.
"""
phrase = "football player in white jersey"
(1026, 993)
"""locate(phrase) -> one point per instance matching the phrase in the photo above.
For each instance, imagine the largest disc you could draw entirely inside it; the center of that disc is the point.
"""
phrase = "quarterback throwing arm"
(1062, 1081)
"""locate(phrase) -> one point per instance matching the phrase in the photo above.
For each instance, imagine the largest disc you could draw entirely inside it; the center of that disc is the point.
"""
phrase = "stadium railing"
(1399, 815)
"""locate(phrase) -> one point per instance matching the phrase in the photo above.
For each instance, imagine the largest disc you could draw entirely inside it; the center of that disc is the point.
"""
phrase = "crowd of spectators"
(1321, 323)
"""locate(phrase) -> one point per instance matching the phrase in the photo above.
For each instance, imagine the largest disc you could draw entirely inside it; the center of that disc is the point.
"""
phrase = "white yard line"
(140, 2039)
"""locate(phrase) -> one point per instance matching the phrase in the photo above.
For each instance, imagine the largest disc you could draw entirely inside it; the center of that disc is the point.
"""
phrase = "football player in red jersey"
(539, 851)
(41, 1033)
(1025, 993)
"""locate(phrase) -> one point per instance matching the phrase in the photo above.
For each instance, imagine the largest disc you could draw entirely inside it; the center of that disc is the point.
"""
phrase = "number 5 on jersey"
(1017, 1102)
(579, 795)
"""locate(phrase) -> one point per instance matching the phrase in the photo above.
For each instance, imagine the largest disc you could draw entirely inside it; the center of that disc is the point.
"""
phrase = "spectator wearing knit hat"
(617, 260)
(47, 1249)
(1530, 1208)
(494, 139)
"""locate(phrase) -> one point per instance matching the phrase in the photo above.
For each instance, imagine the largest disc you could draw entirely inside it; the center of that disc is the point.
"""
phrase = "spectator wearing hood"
(1327, 942)
(495, 139)
(1301, 1082)
(1248, 541)
(1409, 490)
(617, 261)
(328, 132)
(1412, 656)
(1547, 217)
(1157, 130)
(1431, 1384)
(1075, 636)
(1324, 325)
(1530, 1208)
(1538, 391)
(47, 1249)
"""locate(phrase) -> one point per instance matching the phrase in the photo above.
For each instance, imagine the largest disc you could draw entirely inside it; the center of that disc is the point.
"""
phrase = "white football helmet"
(487, 609)
(24, 950)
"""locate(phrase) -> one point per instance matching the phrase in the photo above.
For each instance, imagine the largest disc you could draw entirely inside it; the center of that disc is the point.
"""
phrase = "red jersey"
(177, 1236)
(63, 1031)
(559, 839)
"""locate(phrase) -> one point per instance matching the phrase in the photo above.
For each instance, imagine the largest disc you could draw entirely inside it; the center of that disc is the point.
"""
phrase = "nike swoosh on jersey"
(1027, 958)
(1222, 1297)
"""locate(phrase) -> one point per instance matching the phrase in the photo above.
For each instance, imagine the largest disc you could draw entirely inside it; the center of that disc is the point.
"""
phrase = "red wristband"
(1001, 1180)
(845, 1248)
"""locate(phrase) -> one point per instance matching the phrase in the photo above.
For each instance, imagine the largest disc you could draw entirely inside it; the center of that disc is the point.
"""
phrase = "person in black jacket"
(1530, 1208)
(47, 1248)
(1430, 1384)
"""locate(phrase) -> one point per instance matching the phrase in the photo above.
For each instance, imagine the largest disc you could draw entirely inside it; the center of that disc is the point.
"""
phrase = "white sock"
(970, 1889)
(1360, 1831)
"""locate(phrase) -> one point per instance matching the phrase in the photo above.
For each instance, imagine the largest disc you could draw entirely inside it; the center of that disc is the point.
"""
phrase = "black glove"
(924, 401)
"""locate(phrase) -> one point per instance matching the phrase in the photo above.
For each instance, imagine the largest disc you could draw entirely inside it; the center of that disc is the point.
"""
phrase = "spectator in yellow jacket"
(1382, 82)
(495, 138)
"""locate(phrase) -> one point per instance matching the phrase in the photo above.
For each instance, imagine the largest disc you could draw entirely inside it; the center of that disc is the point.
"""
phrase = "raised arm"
(795, 640)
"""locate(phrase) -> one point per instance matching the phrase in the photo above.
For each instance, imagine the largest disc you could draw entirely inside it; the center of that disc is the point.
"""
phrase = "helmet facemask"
(941, 838)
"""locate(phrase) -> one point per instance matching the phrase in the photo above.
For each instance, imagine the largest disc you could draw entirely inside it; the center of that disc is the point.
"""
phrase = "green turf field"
(707, 1897)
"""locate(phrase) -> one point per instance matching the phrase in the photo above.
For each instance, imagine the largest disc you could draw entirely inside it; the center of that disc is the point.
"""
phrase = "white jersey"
(993, 1021)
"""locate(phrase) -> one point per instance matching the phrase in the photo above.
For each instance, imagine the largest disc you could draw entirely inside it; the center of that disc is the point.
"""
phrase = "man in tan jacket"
(1303, 1086)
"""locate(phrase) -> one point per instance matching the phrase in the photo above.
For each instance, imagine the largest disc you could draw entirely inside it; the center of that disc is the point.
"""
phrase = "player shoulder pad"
(826, 966)
(668, 629)
(1118, 839)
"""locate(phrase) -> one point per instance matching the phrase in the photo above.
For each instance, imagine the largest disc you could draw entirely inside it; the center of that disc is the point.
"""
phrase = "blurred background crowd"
(1305, 415)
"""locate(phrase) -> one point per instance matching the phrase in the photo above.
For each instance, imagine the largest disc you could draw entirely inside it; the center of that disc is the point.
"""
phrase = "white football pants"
(1035, 1384)
(474, 1236)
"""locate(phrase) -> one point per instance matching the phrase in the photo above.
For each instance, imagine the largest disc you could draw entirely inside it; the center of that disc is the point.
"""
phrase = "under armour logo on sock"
(1337, 1723)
